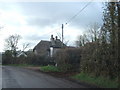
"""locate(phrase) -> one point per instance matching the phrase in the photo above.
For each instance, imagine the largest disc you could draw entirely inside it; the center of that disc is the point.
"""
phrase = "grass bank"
(99, 81)
(49, 69)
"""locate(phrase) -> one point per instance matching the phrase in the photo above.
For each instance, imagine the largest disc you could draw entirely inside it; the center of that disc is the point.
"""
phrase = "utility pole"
(62, 34)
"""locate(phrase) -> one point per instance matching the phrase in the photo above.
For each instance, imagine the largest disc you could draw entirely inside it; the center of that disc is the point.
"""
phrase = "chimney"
(52, 40)
(56, 37)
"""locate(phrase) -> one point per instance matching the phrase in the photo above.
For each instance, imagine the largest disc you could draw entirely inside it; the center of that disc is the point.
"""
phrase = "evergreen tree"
(110, 37)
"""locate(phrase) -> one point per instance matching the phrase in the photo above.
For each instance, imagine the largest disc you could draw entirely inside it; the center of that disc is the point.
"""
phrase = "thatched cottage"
(48, 48)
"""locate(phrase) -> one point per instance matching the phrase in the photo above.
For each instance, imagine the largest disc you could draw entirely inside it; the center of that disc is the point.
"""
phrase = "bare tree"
(12, 43)
(66, 42)
(82, 40)
(94, 31)
(25, 46)
(59, 35)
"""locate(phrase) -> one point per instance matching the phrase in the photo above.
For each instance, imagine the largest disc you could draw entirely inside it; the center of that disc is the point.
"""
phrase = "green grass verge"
(49, 69)
(99, 81)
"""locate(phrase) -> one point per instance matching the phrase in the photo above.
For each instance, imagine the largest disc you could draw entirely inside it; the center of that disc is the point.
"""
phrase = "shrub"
(7, 57)
(68, 59)
(99, 81)
(96, 59)
(41, 60)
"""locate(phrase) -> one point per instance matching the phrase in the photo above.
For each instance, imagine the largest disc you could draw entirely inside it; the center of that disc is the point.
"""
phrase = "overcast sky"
(36, 21)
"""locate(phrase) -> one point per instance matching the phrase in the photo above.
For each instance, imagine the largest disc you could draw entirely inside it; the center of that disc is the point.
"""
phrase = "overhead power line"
(51, 31)
(68, 21)
(73, 18)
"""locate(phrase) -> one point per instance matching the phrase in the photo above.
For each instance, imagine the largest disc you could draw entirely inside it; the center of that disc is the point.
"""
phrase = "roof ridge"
(45, 40)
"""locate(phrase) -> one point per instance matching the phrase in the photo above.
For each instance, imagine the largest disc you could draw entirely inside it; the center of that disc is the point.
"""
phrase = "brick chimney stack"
(56, 38)
(52, 40)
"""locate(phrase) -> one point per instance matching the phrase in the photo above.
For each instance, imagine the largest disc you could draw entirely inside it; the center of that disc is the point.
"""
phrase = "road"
(16, 77)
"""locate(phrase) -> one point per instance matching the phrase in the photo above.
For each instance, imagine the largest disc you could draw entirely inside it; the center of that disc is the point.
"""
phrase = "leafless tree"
(66, 42)
(25, 46)
(59, 35)
(12, 43)
(94, 31)
(82, 40)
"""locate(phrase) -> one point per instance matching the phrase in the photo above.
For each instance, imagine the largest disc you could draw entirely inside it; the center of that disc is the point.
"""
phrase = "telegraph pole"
(62, 34)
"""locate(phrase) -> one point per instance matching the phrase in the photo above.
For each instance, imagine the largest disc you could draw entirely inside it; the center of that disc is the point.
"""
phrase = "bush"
(99, 81)
(40, 60)
(31, 59)
(68, 59)
(66, 67)
(36, 60)
(7, 57)
(96, 59)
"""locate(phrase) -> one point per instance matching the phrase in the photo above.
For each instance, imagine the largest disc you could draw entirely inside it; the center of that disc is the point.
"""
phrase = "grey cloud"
(90, 15)
(41, 22)
(52, 13)
(36, 37)
(44, 14)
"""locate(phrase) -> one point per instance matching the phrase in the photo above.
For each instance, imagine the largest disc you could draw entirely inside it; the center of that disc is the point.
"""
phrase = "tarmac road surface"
(16, 77)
